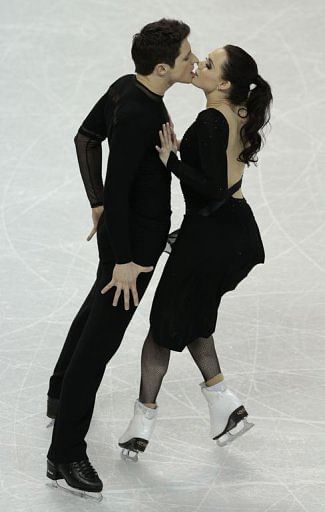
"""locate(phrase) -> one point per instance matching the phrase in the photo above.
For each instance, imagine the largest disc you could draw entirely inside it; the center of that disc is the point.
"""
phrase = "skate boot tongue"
(148, 412)
(221, 386)
(86, 470)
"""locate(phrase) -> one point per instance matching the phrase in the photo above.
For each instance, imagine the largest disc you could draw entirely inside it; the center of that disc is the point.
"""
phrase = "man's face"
(184, 64)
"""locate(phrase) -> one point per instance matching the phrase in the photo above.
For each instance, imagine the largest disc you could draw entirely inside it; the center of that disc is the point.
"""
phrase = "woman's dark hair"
(241, 70)
(157, 42)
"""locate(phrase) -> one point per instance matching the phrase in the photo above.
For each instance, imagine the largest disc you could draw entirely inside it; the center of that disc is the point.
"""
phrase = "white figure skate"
(136, 437)
(226, 412)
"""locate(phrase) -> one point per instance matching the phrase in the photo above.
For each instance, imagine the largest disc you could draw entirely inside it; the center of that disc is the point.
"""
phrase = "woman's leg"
(154, 365)
(225, 408)
(204, 354)
(155, 361)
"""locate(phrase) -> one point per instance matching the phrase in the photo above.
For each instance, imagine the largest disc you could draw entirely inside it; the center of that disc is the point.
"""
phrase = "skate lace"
(85, 467)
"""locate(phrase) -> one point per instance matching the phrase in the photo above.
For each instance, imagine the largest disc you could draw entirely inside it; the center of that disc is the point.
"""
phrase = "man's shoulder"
(122, 80)
(126, 98)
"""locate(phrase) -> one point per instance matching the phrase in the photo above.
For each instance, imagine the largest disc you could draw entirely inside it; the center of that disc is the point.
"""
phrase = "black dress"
(218, 242)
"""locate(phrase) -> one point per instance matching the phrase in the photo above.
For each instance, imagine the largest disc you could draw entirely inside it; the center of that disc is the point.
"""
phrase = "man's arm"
(88, 142)
(89, 153)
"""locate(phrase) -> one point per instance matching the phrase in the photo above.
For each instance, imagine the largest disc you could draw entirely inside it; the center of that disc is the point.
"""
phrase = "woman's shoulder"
(214, 115)
(215, 118)
(224, 117)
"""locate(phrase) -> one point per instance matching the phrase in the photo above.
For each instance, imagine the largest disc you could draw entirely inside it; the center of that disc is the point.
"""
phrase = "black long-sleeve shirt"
(137, 185)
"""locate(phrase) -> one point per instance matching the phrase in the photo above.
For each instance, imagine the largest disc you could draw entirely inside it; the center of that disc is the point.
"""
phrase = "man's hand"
(96, 214)
(125, 279)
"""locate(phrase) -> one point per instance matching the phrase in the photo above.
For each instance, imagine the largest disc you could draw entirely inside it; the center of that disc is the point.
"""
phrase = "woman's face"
(208, 75)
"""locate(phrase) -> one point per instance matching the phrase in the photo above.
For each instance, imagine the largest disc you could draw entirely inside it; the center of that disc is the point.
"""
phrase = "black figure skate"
(81, 478)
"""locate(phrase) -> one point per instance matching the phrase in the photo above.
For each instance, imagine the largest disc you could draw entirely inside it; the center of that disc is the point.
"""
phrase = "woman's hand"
(168, 142)
(96, 214)
(174, 138)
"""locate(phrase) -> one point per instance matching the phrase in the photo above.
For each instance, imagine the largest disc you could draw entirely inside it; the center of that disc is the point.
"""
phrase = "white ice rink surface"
(57, 58)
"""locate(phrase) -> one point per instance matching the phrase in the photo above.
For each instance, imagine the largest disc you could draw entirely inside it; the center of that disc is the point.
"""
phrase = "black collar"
(150, 94)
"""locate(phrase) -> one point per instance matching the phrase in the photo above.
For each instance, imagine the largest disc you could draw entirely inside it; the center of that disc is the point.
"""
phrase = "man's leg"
(71, 342)
(100, 339)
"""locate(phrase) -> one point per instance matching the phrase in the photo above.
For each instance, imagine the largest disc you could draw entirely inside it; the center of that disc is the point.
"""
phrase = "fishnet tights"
(155, 361)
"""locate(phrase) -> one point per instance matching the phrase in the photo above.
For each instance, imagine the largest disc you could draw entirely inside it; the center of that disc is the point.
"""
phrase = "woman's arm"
(211, 178)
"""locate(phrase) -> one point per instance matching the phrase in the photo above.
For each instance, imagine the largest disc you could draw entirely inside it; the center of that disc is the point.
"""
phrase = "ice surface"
(57, 58)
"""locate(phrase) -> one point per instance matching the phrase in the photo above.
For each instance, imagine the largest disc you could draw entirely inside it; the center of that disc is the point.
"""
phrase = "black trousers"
(93, 338)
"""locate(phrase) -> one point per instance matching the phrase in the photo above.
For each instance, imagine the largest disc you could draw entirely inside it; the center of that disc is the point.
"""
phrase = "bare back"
(235, 146)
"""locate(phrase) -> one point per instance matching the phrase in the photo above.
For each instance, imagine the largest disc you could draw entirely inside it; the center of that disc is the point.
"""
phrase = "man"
(131, 215)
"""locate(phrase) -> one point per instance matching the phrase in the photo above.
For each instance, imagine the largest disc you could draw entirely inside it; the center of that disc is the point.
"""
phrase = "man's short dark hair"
(157, 42)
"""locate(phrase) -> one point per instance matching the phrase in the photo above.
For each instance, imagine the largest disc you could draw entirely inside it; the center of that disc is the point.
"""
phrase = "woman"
(217, 245)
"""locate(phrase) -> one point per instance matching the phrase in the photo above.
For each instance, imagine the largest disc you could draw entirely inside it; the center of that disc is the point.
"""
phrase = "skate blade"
(94, 496)
(51, 424)
(228, 437)
(131, 448)
(129, 455)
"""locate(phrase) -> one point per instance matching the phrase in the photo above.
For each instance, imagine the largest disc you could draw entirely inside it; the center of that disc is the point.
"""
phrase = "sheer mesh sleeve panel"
(89, 153)
(89, 150)
(211, 178)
